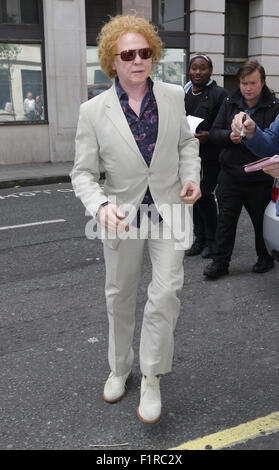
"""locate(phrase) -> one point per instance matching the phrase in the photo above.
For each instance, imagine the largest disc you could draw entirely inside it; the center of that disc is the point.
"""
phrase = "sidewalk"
(30, 174)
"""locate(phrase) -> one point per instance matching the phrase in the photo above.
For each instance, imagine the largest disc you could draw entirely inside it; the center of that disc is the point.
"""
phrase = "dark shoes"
(215, 270)
(195, 249)
(263, 265)
(199, 247)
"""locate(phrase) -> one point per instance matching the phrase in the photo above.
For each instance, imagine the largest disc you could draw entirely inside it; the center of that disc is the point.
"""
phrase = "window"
(172, 67)
(236, 28)
(97, 14)
(172, 19)
(171, 15)
(22, 81)
(236, 39)
(21, 20)
(19, 12)
(97, 81)
(21, 84)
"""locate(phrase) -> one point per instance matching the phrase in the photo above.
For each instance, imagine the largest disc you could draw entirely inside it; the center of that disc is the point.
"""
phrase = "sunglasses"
(129, 55)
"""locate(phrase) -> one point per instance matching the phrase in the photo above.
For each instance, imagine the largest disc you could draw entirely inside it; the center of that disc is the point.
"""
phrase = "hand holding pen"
(247, 125)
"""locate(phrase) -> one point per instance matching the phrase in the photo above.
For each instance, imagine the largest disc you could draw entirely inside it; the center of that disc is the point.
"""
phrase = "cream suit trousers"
(123, 271)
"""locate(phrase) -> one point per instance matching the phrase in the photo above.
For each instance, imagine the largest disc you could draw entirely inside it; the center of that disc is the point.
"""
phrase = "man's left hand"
(203, 137)
(190, 192)
(272, 170)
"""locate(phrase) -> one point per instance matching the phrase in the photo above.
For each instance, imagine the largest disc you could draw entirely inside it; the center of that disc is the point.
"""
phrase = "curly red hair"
(114, 29)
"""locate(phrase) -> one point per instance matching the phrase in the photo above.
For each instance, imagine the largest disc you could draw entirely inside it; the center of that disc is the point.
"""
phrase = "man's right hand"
(111, 218)
(235, 138)
(249, 124)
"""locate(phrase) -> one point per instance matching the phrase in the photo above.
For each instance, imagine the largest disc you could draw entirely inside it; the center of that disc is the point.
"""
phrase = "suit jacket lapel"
(162, 101)
(117, 117)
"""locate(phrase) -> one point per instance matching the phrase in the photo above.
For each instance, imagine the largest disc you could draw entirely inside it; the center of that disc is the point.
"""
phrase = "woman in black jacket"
(236, 188)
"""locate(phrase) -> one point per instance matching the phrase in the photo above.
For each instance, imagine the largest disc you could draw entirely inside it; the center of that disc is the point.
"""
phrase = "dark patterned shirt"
(144, 127)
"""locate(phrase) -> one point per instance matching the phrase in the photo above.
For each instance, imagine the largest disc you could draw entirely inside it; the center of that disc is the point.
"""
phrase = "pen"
(243, 127)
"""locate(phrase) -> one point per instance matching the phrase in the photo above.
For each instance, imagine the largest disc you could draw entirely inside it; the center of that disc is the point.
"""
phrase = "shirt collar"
(122, 93)
(189, 84)
(248, 110)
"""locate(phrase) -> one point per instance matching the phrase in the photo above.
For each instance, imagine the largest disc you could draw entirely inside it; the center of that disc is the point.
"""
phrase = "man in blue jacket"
(263, 143)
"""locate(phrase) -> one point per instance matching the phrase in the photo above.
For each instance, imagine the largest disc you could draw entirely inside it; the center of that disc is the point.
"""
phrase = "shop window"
(21, 83)
(22, 77)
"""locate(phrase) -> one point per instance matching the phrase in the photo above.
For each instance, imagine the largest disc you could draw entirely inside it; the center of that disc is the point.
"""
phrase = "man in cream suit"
(138, 130)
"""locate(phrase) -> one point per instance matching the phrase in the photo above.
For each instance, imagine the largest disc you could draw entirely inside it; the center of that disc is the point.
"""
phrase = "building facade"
(49, 64)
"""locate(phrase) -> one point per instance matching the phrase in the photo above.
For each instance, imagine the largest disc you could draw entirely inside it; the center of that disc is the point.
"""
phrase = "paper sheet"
(193, 122)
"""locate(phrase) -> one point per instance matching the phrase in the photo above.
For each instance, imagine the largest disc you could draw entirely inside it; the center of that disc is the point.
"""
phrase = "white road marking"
(8, 227)
(35, 193)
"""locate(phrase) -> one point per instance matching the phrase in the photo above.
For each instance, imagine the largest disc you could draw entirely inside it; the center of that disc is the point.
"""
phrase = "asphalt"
(30, 174)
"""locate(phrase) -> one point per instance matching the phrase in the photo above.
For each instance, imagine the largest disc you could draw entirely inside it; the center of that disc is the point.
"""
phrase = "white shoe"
(149, 410)
(115, 387)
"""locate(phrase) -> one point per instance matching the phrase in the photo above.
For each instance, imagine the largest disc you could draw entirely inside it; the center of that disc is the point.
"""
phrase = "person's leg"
(229, 196)
(162, 307)
(230, 203)
(207, 205)
(159, 321)
(199, 232)
(123, 268)
(257, 197)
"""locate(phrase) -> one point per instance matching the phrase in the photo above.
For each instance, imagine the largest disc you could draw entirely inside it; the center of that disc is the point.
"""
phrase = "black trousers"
(205, 209)
(231, 197)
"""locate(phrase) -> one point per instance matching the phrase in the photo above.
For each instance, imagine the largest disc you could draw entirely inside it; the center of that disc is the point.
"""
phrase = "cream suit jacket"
(104, 137)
